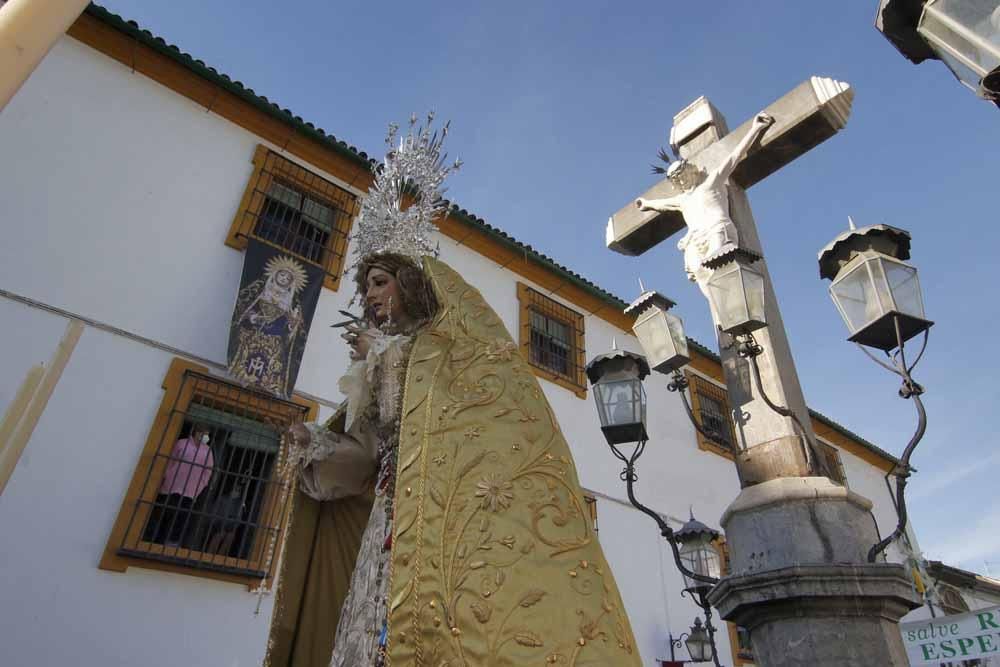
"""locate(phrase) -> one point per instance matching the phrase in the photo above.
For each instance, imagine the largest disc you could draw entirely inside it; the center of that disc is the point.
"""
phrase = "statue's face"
(283, 278)
(686, 176)
(382, 296)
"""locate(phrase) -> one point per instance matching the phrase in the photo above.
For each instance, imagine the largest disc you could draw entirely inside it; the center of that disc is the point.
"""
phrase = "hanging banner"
(274, 308)
(955, 638)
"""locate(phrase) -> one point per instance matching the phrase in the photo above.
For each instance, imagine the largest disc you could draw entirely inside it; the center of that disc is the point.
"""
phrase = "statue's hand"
(299, 435)
(641, 204)
(763, 120)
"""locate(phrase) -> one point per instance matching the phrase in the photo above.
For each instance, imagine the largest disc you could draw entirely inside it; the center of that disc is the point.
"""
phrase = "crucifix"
(799, 578)
(704, 192)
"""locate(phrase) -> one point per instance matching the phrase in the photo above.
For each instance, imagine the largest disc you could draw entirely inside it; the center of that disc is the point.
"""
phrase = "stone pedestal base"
(799, 581)
(829, 615)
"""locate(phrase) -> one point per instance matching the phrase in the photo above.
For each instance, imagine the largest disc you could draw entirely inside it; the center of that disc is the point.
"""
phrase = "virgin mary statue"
(439, 519)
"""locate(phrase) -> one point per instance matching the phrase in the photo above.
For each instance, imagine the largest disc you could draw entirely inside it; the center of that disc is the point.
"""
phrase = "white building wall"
(116, 208)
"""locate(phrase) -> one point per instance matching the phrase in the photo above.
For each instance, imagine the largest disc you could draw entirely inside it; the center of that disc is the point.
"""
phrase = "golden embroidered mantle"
(494, 560)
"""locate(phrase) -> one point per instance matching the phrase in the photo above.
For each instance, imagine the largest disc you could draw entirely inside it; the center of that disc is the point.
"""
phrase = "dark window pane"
(300, 224)
(551, 345)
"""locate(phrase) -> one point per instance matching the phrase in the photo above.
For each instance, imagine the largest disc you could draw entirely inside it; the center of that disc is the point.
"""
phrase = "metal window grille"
(555, 338)
(713, 413)
(834, 465)
(218, 506)
(295, 209)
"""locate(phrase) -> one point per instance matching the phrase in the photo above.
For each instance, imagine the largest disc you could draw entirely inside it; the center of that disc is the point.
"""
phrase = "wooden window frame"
(576, 381)
(696, 382)
(269, 166)
(166, 426)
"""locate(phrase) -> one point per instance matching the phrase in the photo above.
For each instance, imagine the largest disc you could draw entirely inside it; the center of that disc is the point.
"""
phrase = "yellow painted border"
(166, 425)
(578, 387)
(704, 443)
(252, 202)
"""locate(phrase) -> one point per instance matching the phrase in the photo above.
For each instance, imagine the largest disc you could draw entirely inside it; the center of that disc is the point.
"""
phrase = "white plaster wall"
(58, 508)
(116, 208)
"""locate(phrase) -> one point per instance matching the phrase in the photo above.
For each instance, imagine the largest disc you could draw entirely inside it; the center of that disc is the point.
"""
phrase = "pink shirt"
(189, 468)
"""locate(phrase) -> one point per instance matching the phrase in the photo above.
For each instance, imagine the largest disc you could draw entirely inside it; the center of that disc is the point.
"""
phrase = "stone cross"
(769, 444)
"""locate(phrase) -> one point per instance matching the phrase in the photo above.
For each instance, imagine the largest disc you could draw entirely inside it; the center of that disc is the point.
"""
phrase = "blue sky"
(558, 108)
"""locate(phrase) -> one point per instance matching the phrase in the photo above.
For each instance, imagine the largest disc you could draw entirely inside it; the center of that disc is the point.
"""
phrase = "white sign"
(932, 641)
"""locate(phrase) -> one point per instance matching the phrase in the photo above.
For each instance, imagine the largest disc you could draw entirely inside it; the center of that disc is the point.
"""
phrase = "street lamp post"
(878, 295)
(617, 378)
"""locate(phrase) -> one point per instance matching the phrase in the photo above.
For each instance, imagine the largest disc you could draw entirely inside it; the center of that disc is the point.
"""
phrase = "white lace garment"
(336, 466)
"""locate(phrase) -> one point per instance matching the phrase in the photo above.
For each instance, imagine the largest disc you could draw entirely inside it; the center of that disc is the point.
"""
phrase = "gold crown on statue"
(414, 171)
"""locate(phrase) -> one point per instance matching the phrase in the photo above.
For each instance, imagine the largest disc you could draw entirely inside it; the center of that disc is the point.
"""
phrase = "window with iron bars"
(216, 506)
(552, 339)
(710, 406)
(288, 206)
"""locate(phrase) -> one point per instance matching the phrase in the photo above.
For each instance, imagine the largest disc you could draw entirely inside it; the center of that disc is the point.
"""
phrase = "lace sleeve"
(335, 465)
(359, 382)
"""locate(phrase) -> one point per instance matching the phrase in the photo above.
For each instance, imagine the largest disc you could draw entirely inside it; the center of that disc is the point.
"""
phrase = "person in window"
(189, 470)
(440, 512)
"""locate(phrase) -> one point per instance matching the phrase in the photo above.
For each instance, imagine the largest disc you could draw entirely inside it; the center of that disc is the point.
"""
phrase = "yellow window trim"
(704, 444)
(267, 164)
(578, 384)
(166, 427)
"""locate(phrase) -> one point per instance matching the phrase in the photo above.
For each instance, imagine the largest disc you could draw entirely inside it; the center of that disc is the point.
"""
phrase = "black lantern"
(736, 290)
(697, 553)
(660, 333)
(874, 289)
(698, 643)
(621, 400)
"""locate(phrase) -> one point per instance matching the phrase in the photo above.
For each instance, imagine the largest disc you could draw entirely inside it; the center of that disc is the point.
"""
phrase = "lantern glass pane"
(966, 36)
(753, 287)
(663, 341)
(698, 647)
(677, 334)
(699, 557)
(905, 288)
(857, 296)
(726, 290)
(621, 403)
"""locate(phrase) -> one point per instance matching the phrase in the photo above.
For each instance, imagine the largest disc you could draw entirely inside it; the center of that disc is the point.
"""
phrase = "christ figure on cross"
(704, 203)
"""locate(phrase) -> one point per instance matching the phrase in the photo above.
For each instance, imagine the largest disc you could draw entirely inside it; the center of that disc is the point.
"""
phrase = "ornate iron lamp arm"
(676, 643)
(630, 477)
(910, 389)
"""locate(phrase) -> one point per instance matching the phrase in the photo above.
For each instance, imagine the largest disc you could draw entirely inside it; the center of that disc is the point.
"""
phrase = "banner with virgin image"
(274, 309)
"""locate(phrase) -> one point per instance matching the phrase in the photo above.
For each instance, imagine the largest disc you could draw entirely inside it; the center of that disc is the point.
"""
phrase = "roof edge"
(342, 148)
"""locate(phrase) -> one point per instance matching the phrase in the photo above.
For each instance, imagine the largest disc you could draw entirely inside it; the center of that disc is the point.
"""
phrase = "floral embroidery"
(500, 350)
(496, 492)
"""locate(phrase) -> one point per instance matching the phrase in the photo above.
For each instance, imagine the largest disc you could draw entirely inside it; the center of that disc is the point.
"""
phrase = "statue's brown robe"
(494, 558)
